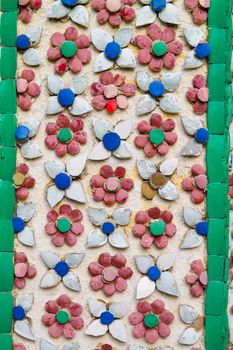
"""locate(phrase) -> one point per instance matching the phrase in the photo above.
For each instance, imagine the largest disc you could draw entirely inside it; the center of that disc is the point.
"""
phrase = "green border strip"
(218, 150)
(8, 106)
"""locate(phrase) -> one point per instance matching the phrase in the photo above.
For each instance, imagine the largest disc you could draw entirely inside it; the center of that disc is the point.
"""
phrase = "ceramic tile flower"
(47, 345)
(19, 346)
(26, 10)
(63, 317)
(113, 49)
(104, 347)
(22, 182)
(111, 92)
(151, 321)
(24, 233)
(198, 94)
(64, 96)
(155, 136)
(22, 323)
(64, 225)
(112, 139)
(196, 184)
(110, 274)
(114, 11)
(24, 133)
(154, 226)
(200, 50)
(109, 229)
(22, 270)
(108, 318)
(193, 126)
(156, 275)
(73, 9)
(69, 51)
(65, 136)
(166, 12)
(111, 186)
(197, 278)
(65, 180)
(27, 89)
(157, 93)
(61, 270)
(191, 318)
(158, 47)
(198, 9)
(157, 179)
(27, 45)
(198, 228)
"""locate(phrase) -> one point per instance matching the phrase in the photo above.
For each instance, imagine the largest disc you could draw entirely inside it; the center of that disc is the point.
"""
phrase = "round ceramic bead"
(18, 224)
(63, 225)
(106, 318)
(203, 50)
(154, 273)
(156, 136)
(22, 133)
(202, 135)
(111, 106)
(64, 135)
(19, 313)
(158, 5)
(22, 42)
(113, 5)
(112, 50)
(62, 317)
(202, 228)
(69, 3)
(62, 181)
(157, 227)
(111, 141)
(68, 49)
(66, 97)
(62, 268)
(159, 48)
(151, 320)
(156, 88)
(108, 227)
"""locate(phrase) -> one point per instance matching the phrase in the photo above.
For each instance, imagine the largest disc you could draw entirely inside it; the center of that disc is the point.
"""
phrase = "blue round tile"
(111, 141)
(106, 318)
(108, 227)
(22, 42)
(156, 88)
(62, 181)
(69, 3)
(203, 50)
(19, 313)
(158, 5)
(202, 228)
(154, 273)
(22, 133)
(202, 135)
(18, 224)
(112, 50)
(66, 97)
(62, 268)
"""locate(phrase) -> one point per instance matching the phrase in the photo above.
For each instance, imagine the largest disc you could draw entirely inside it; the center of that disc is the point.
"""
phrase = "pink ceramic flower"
(158, 48)
(65, 136)
(196, 184)
(111, 92)
(155, 135)
(19, 346)
(111, 186)
(104, 347)
(23, 182)
(151, 321)
(69, 50)
(22, 270)
(62, 317)
(26, 9)
(198, 9)
(114, 11)
(198, 94)
(27, 89)
(64, 225)
(154, 226)
(197, 278)
(110, 274)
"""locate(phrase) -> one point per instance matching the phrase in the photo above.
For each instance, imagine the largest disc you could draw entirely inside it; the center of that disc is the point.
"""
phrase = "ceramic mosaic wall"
(114, 175)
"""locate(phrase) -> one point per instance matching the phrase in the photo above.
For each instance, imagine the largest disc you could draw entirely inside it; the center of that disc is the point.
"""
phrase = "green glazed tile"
(7, 163)
(8, 96)
(216, 200)
(8, 62)
(6, 235)
(217, 165)
(218, 238)
(8, 28)
(6, 341)
(9, 5)
(217, 14)
(216, 86)
(7, 191)
(218, 326)
(216, 298)
(218, 41)
(216, 117)
(6, 303)
(7, 130)
(6, 272)
(217, 266)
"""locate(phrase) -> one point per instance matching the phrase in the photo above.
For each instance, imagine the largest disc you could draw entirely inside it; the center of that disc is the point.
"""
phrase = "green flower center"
(151, 320)
(159, 48)
(156, 136)
(68, 49)
(63, 225)
(62, 317)
(64, 135)
(157, 227)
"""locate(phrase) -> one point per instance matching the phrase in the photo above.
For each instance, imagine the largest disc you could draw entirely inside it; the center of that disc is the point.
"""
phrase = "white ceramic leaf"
(126, 59)
(53, 106)
(119, 309)
(166, 261)
(192, 216)
(100, 38)
(80, 107)
(191, 240)
(145, 16)
(101, 127)
(79, 84)
(26, 237)
(168, 166)
(23, 329)
(143, 263)
(55, 84)
(144, 79)
(145, 288)
(146, 104)
(26, 211)
(33, 126)
(145, 168)
(76, 165)
(50, 259)
(76, 192)
(187, 313)
(31, 57)
(97, 216)
(96, 238)
(50, 280)
(58, 11)
(119, 239)
(123, 151)
(193, 35)
(72, 281)
(123, 36)
(192, 61)
(167, 284)
(74, 259)
(170, 15)
(54, 195)
(46, 345)
(122, 216)
(97, 307)
(96, 329)
(80, 15)
(102, 63)
(25, 300)
(191, 124)
(30, 150)
(54, 167)
(123, 128)
(99, 152)
(189, 337)
(118, 331)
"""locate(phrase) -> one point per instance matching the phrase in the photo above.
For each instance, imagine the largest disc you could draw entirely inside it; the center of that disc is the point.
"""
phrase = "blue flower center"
(108, 227)
(62, 181)
(106, 318)
(18, 224)
(69, 3)
(22, 133)
(112, 50)
(203, 50)
(154, 273)
(111, 141)
(19, 313)
(22, 42)
(156, 88)
(202, 135)
(62, 268)
(158, 5)
(66, 97)
(202, 228)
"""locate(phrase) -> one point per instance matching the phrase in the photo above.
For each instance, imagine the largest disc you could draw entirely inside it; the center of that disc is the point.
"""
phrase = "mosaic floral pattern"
(196, 184)
(198, 9)
(23, 270)
(27, 89)
(197, 278)
(198, 95)
(26, 9)
(22, 182)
